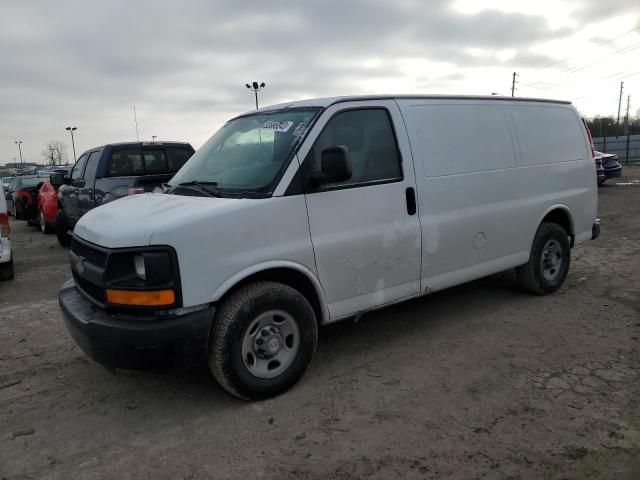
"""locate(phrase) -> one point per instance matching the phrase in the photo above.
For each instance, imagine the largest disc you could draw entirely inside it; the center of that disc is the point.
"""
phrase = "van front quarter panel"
(212, 251)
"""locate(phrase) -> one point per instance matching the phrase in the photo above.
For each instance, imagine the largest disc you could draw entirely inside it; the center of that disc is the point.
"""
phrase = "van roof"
(328, 101)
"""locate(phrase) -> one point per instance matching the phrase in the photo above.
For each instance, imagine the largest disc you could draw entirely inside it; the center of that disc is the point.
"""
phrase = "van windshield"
(247, 154)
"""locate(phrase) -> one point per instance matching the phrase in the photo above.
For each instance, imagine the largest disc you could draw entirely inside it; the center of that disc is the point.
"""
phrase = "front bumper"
(134, 341)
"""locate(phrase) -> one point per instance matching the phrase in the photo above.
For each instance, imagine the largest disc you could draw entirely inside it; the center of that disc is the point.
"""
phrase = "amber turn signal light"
(149, 298)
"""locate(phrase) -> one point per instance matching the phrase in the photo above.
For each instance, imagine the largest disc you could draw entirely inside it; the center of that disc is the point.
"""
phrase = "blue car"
(611, 168)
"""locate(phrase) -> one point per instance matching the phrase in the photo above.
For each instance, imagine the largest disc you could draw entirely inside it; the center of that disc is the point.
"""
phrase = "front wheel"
(549, 260)
(263, 338)
(62, 229)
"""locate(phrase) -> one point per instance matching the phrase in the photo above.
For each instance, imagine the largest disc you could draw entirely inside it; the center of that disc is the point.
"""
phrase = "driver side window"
(369, 138)
(78, 169)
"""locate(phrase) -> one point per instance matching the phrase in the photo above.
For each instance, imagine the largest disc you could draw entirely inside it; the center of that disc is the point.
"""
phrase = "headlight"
(138, 266)
(143, 278)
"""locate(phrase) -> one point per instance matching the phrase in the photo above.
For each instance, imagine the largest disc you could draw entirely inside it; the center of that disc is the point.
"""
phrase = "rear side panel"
(557, 169)
(465, 161)
(486, 178)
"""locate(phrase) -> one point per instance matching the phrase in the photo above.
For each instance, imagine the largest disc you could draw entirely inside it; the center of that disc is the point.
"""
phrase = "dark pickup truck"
(106, 173)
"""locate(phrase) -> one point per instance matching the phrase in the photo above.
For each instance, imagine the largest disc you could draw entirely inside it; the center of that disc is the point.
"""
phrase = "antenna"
(135, 119)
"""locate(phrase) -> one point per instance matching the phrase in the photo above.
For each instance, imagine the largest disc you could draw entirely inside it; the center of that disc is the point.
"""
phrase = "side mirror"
(335, 165)
(57, 179)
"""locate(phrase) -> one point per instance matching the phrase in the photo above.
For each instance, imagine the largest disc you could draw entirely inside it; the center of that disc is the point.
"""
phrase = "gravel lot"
(480, 381)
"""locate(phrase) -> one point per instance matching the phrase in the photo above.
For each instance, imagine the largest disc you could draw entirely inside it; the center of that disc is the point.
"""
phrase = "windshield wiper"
(208, 188)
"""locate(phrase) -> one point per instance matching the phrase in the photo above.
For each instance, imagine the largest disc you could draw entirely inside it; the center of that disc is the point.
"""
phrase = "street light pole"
(73, 144)
(19, 143)
(255, 88)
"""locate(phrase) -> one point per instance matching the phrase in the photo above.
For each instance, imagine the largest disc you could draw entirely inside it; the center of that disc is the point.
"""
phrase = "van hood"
(132, 221)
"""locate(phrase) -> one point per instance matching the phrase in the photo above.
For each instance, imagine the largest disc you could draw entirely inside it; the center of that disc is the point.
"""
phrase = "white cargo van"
(305, 213)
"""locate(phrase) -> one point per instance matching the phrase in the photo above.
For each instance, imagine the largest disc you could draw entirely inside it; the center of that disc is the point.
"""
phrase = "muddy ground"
(480, 381)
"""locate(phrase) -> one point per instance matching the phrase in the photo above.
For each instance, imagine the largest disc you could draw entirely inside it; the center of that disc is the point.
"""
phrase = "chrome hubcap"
(551, 259)
(270, 344)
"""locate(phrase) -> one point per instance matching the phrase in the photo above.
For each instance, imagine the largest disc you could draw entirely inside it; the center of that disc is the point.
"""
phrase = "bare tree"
(55, 153)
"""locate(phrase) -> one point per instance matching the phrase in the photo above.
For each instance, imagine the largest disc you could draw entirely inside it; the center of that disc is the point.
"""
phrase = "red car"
(47, 205)
(24, 202)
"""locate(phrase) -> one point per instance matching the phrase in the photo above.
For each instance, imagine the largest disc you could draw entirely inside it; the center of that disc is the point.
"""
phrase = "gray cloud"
(184, 64)
(596, 10)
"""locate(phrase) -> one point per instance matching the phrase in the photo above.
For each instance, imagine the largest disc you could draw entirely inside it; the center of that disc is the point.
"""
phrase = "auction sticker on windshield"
(277, 126)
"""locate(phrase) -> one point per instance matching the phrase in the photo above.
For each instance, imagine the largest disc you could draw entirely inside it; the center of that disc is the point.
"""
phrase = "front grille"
(91, 254)
(94, 291)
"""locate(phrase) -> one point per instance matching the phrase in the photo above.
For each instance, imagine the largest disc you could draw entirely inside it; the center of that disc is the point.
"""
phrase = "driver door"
(365, 231)
(70, 200)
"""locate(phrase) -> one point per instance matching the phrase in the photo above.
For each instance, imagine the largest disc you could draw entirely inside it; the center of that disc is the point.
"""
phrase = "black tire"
(6, 270)
(42, 223)
(62, 229)
(230, 324)
(531, 276)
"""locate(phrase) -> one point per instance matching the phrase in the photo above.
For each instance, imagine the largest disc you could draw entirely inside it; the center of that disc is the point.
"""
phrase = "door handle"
(410, 193)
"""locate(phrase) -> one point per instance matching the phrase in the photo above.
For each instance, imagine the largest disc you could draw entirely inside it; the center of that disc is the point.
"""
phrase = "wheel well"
(286, 276)
(562, 218)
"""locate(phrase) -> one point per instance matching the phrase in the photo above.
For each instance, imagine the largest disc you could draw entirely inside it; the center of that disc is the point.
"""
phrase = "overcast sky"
(184, 64)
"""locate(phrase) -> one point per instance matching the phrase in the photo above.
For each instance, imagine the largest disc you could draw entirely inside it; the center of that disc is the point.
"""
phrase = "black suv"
(106, 173)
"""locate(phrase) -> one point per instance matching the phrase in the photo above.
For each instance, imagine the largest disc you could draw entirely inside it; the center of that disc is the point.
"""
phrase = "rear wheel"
(62, 229)
(6, 270)
(263, 338)
(44, 226)
(549, 261)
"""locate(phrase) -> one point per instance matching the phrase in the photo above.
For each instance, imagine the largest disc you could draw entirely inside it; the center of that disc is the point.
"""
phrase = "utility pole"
(626, 127)
(135, 119)
(600, 123)
(513, 84)
(619, 105)
(626, 117)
